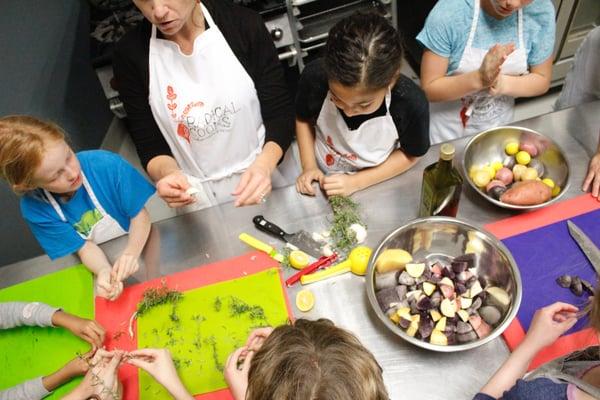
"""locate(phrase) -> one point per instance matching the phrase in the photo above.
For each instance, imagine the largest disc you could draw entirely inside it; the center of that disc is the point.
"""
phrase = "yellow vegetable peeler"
(262, 246)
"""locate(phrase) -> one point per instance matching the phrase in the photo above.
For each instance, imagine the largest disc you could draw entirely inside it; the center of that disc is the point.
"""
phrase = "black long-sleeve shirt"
(251, 43)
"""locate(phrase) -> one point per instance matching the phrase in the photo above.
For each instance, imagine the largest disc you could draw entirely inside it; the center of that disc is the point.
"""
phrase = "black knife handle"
(268, 227)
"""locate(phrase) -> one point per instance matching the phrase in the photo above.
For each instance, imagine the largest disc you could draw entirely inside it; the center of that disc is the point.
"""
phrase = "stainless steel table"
(410, 373)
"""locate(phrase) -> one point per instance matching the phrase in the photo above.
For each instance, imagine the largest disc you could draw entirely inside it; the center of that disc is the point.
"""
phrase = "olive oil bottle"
(440, 190)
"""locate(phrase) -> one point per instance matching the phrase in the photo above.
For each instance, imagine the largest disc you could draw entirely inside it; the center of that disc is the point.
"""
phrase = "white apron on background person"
(482, 110)
(103, 227)
(208, 111)
(341, 150)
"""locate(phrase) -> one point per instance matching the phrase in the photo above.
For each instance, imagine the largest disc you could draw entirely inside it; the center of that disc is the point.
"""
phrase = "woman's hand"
(236, 372)
(593, 176)
(492, 63)
(549, 323)
(125, 266)
(257, 338)
(172, 189)
(339, 185)
(304, 181)
(89, 330)
(254, 185)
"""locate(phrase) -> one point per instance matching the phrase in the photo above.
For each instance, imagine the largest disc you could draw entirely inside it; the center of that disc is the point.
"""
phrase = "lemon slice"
(299, 259)
(305, 300)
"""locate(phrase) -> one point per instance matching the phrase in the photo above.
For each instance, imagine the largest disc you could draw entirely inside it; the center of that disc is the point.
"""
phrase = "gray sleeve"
(29, 390)
(14, 314)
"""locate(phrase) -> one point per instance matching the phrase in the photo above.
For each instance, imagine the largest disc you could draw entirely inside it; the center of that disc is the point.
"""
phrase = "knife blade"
(301, 239)
(587, 246)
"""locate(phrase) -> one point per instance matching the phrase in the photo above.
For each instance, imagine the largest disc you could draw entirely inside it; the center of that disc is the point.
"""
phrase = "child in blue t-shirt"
(74, 201)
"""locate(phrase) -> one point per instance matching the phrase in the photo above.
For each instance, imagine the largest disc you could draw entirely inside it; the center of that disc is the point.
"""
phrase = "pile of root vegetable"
(441, 303)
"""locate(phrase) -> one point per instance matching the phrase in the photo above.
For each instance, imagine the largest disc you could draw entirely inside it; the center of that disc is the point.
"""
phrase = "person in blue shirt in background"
(479, 56)
(74, 201)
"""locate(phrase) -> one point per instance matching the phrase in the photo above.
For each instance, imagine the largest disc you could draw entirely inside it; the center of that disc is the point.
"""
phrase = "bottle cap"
(447, 151)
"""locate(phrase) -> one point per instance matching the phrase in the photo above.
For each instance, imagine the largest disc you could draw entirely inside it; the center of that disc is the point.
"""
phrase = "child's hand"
(257, 338)
(339, 185)
(125, 266)
(304, 181)
(101, 380)
(549, 323)
(236, 372)
(492, 63)
(593, 176)
(106, 287)
(77, 366)
(499, 86)
(156, 362)
(89, 330)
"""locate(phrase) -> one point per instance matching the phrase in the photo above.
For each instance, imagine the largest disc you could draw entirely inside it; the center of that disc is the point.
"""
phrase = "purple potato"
(389, 279)
(466, 337)
(490, 314)
(463, 327)
(412, 303)
(404, 323)
(509, 162)
(460, 288)
(405, 279)
(436, 299)
(387, 298)
(564, 281)
(424, 303)
(448, 273)
(476, 304)
(425, 328)
(497, 191)
(401, 290)
(459, 266)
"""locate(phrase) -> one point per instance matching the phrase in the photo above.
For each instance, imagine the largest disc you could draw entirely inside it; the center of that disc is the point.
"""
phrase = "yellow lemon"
(497, 165)
(305, 300)
(298, 259)
(512, 148)
(523, 157)
(549, 182)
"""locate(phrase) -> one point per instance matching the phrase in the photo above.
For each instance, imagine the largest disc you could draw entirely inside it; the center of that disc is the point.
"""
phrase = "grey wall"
(46, 72)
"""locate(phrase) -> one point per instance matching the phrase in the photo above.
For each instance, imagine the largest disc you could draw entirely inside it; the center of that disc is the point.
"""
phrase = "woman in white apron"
(479, 94)
(358, 128)
(208, 110)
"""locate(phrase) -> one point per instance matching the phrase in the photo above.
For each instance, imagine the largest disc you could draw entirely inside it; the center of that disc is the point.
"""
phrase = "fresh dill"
(345, 213)
(218, 304)
(153, 297)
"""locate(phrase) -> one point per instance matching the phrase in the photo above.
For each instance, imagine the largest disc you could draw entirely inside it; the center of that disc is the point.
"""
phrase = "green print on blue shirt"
(87, 222)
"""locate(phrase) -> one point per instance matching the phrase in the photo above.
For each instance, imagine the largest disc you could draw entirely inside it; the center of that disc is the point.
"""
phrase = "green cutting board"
(29, 352)
(203, 328)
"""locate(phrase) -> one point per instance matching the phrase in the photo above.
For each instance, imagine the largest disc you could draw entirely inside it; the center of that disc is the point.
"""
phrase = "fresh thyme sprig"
(345, 213)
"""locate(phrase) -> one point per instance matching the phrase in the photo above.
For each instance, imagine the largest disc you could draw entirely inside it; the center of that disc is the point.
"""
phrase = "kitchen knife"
(301, 239)
(587, 246)
(262, 246)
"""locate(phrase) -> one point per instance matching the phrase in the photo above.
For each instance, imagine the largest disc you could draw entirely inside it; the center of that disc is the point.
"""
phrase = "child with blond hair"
(75, 201)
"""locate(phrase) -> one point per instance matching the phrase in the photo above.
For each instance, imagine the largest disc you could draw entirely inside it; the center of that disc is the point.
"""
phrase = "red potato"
(529, 147)
(527, 193)
(494, 183)
(504, 175)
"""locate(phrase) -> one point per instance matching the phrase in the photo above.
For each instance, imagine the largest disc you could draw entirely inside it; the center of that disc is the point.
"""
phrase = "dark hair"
(314, 360)
(363, 48)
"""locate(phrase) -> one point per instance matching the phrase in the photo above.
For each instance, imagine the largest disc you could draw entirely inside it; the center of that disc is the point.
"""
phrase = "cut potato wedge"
(392, 259)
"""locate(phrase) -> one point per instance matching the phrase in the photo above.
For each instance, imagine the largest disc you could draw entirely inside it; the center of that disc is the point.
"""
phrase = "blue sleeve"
(541, 26)
(133, 190)
(56, 237)
(536, 389)
(437, 34)
(483, 396)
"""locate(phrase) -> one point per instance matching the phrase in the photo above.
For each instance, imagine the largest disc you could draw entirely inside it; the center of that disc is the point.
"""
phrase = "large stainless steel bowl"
(488, 146)
(443, 238)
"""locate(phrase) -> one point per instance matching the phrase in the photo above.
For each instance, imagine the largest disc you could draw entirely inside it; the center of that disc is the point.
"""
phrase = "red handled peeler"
(323, 261)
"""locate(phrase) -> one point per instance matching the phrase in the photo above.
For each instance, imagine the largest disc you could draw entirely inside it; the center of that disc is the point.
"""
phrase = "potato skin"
(527, 193)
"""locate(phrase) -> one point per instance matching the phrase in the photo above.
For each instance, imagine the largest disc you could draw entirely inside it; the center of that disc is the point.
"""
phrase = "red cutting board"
(114, 316)
(544, 250)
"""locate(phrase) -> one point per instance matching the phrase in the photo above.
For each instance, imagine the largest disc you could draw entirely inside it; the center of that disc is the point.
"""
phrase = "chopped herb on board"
(218, 304)
(153, 297)
(345, 213)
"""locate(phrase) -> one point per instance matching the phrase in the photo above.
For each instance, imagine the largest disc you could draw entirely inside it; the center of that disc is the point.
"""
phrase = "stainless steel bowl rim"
(506, 205)
(516, 301)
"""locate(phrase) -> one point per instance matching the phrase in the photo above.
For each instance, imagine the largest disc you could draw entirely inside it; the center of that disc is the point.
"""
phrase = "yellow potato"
(392, 259)
(530, 174)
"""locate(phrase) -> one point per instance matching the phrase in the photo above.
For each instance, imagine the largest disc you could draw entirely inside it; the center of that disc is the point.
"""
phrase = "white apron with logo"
(105, 229)
(482, 111)
(339, 149)
(207, 108)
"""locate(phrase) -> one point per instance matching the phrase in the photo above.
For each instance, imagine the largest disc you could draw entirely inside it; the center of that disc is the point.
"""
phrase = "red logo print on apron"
(182, 130)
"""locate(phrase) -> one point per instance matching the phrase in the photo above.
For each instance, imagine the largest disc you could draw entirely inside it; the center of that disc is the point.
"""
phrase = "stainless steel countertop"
(410, 373)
